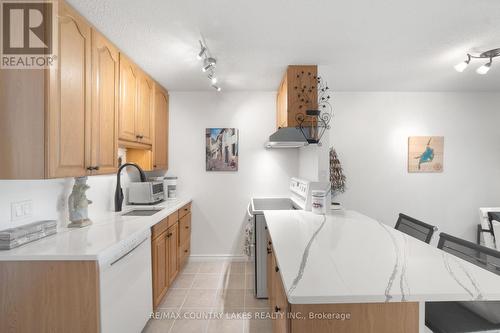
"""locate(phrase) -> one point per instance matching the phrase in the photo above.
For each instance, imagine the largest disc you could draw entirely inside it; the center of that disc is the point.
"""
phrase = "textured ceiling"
(360, 45)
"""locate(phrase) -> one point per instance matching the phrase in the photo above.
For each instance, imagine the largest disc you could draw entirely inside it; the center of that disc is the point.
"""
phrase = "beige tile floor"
(215, 296)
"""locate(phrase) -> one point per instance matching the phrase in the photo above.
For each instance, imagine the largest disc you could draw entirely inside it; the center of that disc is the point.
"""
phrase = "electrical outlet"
(21, 210)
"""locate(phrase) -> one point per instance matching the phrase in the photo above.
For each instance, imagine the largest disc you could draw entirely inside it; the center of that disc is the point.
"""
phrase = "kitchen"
(406, 88)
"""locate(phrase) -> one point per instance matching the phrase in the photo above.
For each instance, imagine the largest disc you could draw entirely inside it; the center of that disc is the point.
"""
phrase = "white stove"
(299, 198)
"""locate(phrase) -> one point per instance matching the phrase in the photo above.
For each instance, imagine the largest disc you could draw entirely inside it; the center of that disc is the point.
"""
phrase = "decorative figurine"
(78, 204)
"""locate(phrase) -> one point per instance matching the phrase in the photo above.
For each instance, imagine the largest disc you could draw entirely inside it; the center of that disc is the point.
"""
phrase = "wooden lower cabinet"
(165, 266)
(170, 247)
(271, 263)
(345, 318)
(159, 248)
(173, 252)
(49, 296)
(184, 234)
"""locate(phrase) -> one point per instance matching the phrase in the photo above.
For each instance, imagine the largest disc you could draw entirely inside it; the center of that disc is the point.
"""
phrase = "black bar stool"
(457, 317)
(415, 228)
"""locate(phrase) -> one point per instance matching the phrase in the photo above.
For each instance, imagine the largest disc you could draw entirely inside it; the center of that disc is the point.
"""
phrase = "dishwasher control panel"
(112, 255)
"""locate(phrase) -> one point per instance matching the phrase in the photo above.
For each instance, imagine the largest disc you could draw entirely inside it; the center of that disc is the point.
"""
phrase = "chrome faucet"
(119, 191)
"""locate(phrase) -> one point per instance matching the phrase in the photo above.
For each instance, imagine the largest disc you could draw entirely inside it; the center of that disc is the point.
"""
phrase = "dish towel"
(249, 232)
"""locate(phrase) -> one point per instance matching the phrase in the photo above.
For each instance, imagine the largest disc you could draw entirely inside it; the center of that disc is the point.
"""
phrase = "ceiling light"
(202, 52)
(490, 54)
(212, 78)
(207, 67)
(463, 65)
(484, 68)
(209, 64)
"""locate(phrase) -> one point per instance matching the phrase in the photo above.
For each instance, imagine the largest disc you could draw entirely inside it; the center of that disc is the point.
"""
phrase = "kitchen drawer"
(185, 210)
(184, 229)
(173, 218)
(185, 251)
(159, 228)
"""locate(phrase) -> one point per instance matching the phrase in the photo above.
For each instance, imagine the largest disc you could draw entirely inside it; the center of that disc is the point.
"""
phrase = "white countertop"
(347, 257)
(89, 243)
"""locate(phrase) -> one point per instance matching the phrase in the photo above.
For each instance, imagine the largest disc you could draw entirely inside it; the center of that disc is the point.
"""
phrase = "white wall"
(370, 132)
(221, 198)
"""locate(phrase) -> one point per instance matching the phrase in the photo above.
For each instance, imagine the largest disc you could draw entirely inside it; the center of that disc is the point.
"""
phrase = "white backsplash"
(50, 197)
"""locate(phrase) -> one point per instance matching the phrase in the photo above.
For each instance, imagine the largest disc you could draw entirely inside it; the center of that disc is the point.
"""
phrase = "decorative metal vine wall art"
(313, 123)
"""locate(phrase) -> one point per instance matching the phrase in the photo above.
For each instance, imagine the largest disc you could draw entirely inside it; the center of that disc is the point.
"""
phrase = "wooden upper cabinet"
(281, 104)
(144, 112)
(297, 93)
(128, 99)
(68, 149)
(105, 93)
(160, 146)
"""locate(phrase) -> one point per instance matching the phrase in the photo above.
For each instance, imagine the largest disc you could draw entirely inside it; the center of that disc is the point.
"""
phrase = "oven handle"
(126, 254)
(248, 210)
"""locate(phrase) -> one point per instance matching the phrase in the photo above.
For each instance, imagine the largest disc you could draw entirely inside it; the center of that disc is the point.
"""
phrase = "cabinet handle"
(185, 251)
(96, 168)
(277, 309)
(269, 243)
(90, 168)
(276, 268)
(169, 235)
(154, 166)
(187, 227)
(268, 250)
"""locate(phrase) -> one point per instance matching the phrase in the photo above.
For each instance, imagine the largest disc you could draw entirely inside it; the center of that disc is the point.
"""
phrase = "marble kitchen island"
(349, 264)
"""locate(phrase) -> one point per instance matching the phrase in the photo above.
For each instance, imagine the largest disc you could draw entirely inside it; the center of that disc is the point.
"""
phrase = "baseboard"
(218, 257)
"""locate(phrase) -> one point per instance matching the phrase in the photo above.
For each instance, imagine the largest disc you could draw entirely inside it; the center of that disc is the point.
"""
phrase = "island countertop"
(347, 257)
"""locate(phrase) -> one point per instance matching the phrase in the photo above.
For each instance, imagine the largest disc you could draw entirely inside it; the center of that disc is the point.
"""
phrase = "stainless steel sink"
(142, 212)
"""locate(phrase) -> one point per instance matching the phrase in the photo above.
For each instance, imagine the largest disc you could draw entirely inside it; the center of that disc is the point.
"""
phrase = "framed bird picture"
(425, 154)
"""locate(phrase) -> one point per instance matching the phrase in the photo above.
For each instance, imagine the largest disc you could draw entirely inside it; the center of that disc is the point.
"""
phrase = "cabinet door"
(128, 100)
(282, 104)
(173, 252)
(270, 271)
(68, 149)
(160, 147)
(144, 115)
(105, 88)
(281, 323)
(185, 229)
(160, 268)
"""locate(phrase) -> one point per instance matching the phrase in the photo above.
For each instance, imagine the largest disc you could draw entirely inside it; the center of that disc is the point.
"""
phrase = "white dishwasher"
(126, 285)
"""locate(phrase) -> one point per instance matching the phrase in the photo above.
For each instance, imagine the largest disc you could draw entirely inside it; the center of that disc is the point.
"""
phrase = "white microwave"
(145, 193)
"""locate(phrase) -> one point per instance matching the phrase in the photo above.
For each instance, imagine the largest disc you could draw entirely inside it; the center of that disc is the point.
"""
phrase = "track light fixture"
(484, 68)
(212, 78)
(203, 49)
(490, 54)
(209, 64)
